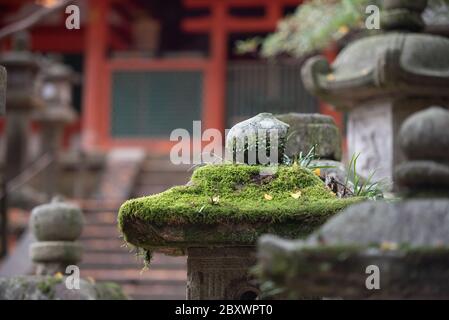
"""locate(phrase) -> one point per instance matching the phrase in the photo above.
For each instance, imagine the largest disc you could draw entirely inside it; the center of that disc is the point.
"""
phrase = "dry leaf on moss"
(296, 195)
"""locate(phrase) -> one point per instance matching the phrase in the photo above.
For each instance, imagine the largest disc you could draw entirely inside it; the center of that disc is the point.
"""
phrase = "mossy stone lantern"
(406, 243)
(23, 97)
(56, 227)
(217, 219)
(380, 80)
(56, 91)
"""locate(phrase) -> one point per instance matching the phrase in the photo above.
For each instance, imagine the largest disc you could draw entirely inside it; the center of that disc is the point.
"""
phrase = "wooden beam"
(57, 39)
(204, 25)
(194, 4)
(142, 64)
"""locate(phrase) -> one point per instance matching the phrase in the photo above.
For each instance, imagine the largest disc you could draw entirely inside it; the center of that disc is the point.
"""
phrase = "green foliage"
(238, 194)
(318, 23)
(306, 160)
(362, 187)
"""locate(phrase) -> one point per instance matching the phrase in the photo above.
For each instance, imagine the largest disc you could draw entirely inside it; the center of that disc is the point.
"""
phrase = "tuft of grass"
(362, 187)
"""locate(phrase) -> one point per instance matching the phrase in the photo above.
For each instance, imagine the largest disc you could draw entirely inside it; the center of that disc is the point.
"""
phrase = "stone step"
(134, 274)
(164, 178)
(160, 292)
(114, 245)
(102, 231)
(101, 217)
(163, 165)
(128, 259)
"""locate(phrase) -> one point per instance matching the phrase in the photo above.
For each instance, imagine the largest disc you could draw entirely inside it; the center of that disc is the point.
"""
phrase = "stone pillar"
(381, 80)
(22, 99)
(221, 273)
(56, 226)
(58, 112)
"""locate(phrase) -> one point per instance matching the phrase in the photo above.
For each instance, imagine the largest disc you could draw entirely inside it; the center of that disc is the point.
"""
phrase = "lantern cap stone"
(230, 205)
(312, 130)
(255, 133)
(393, 64)
(56, 226)
(403, 15)
(424, 139)
(57, 221)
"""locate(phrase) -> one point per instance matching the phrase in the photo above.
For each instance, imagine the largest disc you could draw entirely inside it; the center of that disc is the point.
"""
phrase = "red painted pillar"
(331, 53)
(214, 112)
(95, 55)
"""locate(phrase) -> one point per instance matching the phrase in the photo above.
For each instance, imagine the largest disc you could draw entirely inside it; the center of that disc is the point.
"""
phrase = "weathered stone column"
(23, 97)
(381, 80)
(405, 242)
(221, 273)
(57, 94)
(56, 226)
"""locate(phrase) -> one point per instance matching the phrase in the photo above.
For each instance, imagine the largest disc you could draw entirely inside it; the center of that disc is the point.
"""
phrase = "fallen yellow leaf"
(91, 280)
(343, 30)
(330, 77)
(317, 172)
(268, 197)
(216, 199)
(296, 195)
(59, 276)
(389, 246)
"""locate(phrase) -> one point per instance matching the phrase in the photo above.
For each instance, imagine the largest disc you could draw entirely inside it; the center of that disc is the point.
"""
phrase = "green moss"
(47, 286)
(234, 195)
(109, 291)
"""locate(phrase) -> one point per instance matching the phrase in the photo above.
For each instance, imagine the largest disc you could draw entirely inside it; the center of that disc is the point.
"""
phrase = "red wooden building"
(135, 92)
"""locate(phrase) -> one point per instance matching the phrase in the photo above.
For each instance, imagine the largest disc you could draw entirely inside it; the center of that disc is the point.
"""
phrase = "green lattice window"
(153, 104)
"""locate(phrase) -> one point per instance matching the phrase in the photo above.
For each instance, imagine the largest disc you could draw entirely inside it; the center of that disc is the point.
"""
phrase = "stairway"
(105, 256)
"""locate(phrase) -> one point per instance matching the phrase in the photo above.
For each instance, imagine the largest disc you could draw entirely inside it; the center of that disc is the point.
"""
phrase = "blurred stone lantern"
(23, 97)
(380, 80)
(56, 91)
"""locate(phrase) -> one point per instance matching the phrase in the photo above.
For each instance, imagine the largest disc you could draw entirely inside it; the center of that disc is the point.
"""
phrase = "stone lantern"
(23, 97)
(380, 80)
(217, 218)
(56, 226)
(405, 244)
(56, 91)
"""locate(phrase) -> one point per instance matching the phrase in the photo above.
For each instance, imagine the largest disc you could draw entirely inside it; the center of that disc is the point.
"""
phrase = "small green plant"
(362, 187)
(306, 160)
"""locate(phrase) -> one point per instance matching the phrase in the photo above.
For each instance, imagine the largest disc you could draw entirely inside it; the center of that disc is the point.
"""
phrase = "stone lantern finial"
(56, 226)
(403, 15)
(259, 140)
(424, 139)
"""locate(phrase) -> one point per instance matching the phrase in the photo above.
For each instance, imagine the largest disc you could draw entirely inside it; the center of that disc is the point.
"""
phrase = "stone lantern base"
(221, 273)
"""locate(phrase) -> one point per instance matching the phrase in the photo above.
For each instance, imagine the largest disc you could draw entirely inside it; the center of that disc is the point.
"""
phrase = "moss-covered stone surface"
(54, 288)
(231, 205)
(303, 272)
